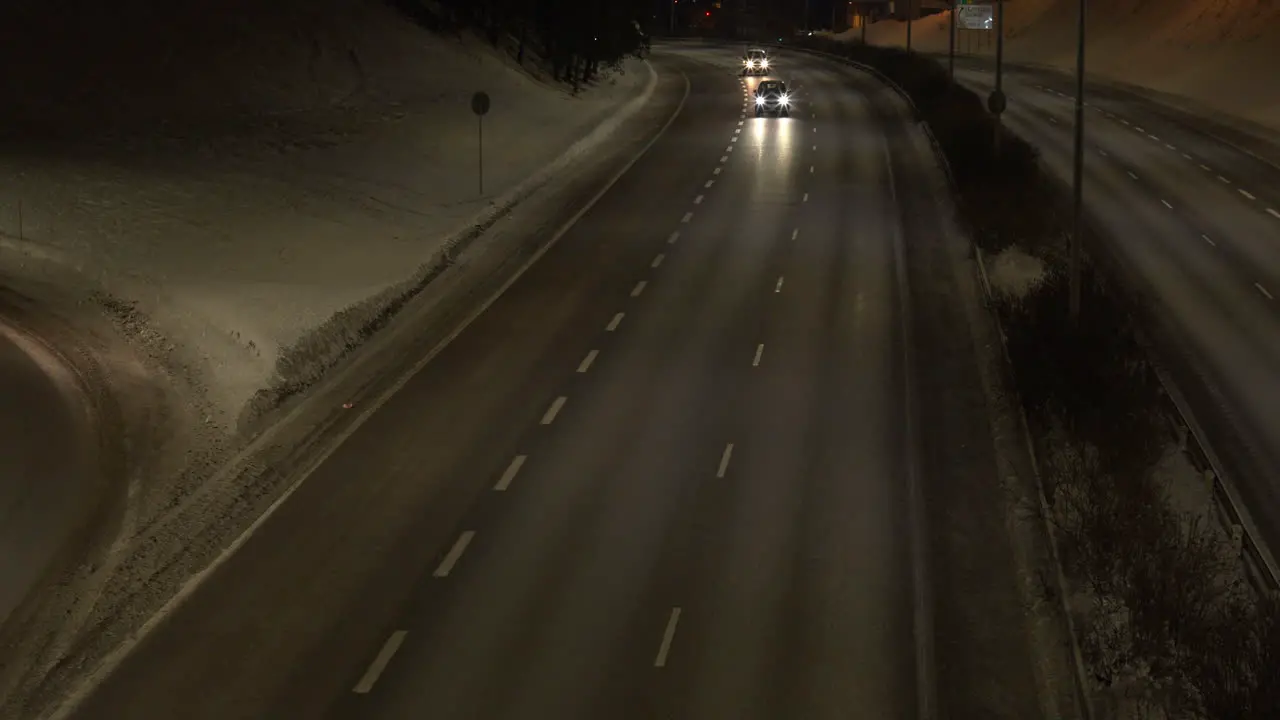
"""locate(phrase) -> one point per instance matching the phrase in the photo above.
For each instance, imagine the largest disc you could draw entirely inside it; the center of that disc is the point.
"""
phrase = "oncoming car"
(755, 62)
(772, 97)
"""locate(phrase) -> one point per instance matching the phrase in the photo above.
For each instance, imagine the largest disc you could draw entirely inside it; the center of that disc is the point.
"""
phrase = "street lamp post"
(951, 48)
(1078, 175)
(910, 8)
(672, 29)
(998, 102)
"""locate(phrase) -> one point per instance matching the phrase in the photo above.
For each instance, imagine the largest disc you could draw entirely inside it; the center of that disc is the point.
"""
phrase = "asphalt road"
(47, 480)
(1196, 220)
(668, 473)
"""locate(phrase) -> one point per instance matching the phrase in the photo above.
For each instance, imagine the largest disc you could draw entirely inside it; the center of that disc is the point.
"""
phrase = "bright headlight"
(764, 63)
(785, 99)
(759, 99)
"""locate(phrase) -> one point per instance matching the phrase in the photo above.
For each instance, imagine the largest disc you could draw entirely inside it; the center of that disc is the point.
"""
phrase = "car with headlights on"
(772, 97)
(755, 62)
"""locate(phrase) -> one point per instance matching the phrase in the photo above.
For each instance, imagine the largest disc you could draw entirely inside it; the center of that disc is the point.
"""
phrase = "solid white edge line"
(517, 462)
(926, 688)
(553, 410)
(725, 457)
(585, 365)
(112, 660)
(668, 635)
(455, 554)
(379, 663)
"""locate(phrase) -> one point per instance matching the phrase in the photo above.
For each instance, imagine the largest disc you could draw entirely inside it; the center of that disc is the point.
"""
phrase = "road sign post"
(480, 106)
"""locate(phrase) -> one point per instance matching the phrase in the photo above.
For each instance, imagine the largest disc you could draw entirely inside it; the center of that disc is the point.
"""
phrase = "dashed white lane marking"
(1053, 120)
(1139, 129)
(380, 663)
(697, 200)
(729, 149)
(517, 462)
(657, 260)
(1102, 152)
(1153, 137)
(1171, 147)
(1135, 177)
(639, 288)
(709, 183)
(724, 158)
(815, 129)
(737, 130)
(1224, 180)
(1247, 194)
(724, 460)
(549, 416)
(687, 217)
(805, 198)
(815, 147)
(613, 324)
(716, 171)
(1126, 122)
(734, 139)
(1264, 292)
(739, 122)
(755, 362)
(1187, 156)
(1273, 212)
(794, 233)
(1166, 203)
(673, 237)
(668, 635)
(1209, 240)
(1206, 168)
(811, 168)
(455, 552)
(778, 288)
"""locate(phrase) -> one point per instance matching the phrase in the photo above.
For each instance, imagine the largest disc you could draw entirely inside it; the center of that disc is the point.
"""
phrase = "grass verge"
(1168, 625)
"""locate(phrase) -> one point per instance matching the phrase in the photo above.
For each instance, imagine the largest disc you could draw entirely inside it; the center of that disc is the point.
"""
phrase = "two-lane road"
(1197, 222)
(671, 472)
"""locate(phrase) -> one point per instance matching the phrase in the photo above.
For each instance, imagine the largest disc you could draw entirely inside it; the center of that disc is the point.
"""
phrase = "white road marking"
(716, 171)
(737, 130)
(1273, 212)
(687, 217)
(380, 663)
(1171, 147)
(729, 149)
(1135, 177)
(1206, 168)
(1102, 152)
(639, 288)
(739, 122)
(733, 139)
(815, 147)
(724, 460)
(550, 415)
(1224, 180)
(709, 183)
(755, 362)
(1247, 194)
(673, 237)
(805, 198)
(1139, 129)
(794, 233)
(667, 636)
(1263, 291)
(697, 200)
(1053, 120)
(613, 324)
(1185, 155)
(778, 288)
(517, 462)
(1209, 240)
(815, 129)
(1153, 137)
(1126, 122)
(1166, 203)
(657, 260)
(724, 158)
(811, 168)
(455, 552)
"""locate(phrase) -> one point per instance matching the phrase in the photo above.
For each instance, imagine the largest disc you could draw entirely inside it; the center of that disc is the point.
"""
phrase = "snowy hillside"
(1220, 53)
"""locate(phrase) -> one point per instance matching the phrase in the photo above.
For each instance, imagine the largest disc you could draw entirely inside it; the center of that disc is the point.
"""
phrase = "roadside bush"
(1168, 627)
